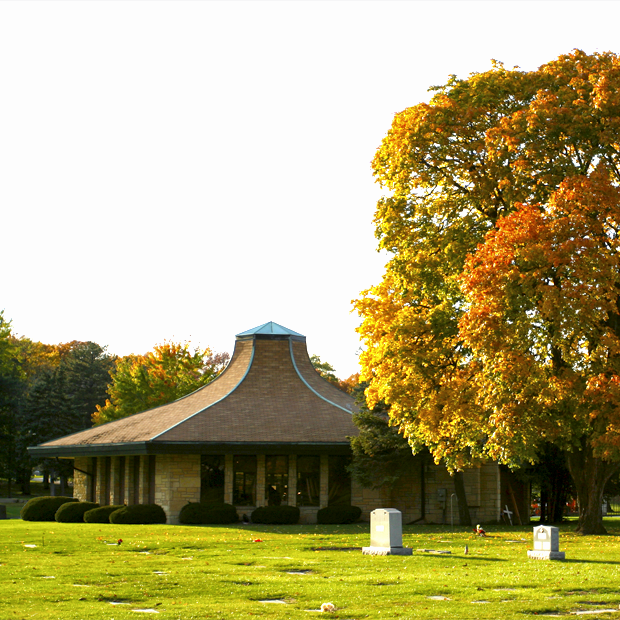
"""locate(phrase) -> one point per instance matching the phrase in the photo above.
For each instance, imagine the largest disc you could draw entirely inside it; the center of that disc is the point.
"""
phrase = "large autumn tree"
(543, 329)
(170, 371)
(452, 169)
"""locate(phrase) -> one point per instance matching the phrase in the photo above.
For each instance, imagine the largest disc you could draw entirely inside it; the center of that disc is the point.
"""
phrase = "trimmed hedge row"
(73, 512)
(70, 510)
(208, 514)
(336, 515)
(101, 514)
(43, 508)
(276, 515)
(139, 513)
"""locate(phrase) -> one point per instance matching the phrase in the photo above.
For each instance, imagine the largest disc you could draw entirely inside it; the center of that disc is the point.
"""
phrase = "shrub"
(73, 512)
(43, 508)
(203, 514)
(335, 515)
(276, 515)
(139, 513)
(101, 514)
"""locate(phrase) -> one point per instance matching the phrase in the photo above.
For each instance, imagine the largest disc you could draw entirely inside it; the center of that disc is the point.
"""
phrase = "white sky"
(190, 170)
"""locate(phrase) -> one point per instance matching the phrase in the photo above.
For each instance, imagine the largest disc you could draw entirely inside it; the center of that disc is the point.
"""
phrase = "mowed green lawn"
(65, 571)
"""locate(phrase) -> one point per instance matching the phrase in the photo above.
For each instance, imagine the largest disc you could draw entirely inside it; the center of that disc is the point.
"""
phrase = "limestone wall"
(177, 482)
(482, 487)
(81, 480)
(369, 499)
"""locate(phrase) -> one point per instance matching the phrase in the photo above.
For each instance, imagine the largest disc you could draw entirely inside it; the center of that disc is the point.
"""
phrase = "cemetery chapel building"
(268, 430)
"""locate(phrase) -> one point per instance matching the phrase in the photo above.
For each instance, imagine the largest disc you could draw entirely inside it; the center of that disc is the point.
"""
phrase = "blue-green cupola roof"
(270, 329)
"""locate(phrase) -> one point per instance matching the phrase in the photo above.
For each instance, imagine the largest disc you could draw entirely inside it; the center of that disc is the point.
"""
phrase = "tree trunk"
(459, 489)
(590, 474)
(422, 488)
(559, 495)
(544, 500)
(24, 480)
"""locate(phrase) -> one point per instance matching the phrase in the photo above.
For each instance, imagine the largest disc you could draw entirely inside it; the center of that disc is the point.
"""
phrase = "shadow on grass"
(462, 558)
(576, 561)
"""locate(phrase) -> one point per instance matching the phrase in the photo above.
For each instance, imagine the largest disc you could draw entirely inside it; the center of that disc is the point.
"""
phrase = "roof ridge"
(245, 374)
(331, 402)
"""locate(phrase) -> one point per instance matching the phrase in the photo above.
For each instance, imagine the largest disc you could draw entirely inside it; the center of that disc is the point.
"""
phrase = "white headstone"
(386, 533)
(546, 544)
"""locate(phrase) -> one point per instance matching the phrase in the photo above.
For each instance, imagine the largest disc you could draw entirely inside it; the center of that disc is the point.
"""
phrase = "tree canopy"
(455, 169)
(45, 391)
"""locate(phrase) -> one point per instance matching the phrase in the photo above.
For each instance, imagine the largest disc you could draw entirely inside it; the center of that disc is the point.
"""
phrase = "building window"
(244, 481)
(339, 481)
(308, 480)
(152, 466)
(276, 480)
(135, 498)
(93, 479)
(212, 479)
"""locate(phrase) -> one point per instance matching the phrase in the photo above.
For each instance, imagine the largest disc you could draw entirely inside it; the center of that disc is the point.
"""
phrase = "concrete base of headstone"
(546, 555)
(387, 551)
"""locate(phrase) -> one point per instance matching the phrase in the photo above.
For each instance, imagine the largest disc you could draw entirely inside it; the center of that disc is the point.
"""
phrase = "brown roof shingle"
(269, 393)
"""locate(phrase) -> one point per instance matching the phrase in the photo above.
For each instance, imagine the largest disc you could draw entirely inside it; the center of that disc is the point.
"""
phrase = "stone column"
(163, 483)
(260, 480)
(130, 487)
(81, 480)
(292, 480)
(228, 478)
(177, 483)
(102, 498)
(324, 495)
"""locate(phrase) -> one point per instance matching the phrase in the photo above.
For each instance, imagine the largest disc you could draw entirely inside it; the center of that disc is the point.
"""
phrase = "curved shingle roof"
(269, 393)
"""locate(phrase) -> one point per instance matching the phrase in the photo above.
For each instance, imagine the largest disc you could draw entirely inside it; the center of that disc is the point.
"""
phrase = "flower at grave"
(328, 607)
(479, 531)
(258, 540)
(120, 540)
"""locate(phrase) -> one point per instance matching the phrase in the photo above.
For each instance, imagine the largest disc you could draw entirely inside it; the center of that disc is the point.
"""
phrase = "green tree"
(325, 369)
(453, 168)
(382, 456)
(11, 391)
(170, 371)
(64, 385)
(328, 372)
(87, 369)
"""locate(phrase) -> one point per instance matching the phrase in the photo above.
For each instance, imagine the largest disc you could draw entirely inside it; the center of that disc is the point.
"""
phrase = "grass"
(75, 571)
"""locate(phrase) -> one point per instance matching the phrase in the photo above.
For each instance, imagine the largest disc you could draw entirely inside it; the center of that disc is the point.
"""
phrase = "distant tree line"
(52, 390)
(45, 391)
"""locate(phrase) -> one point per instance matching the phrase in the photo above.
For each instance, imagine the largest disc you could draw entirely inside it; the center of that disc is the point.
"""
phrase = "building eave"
(182, 447)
